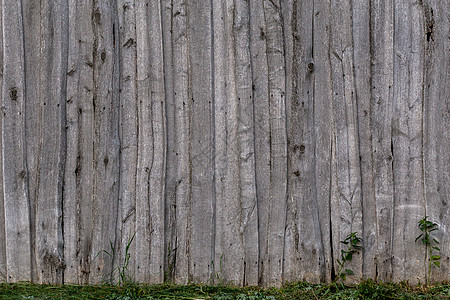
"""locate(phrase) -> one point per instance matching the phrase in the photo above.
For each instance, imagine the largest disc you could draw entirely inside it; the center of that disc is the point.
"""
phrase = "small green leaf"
(435, 257)
(437, 264)
(436, 248)
(436, 241)
(349, 272)
(417, 238)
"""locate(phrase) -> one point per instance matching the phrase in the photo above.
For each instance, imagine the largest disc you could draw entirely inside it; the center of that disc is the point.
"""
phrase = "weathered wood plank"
(128, 131)
(322, 131)
(436, 135)
(278, 142)
(201, 138)
(308, 240)
(171, 166)
(302, 233)
(382, 81)
(407, 136)
(346, 139)
(291, 239)
(146, 145)
(180, 250)
(79, 170)
(151, 146)
(236, 221)
(248, 210)
(15, 188)
(49, 201)
(70, 212)
(229, 251)
(2, 207)
(106, 145)
(362, 79)
(157, 172)
(33, 107)
(261, 127)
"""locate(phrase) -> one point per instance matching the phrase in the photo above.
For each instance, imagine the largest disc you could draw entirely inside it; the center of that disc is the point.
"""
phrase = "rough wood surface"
(237, 141)
(15, 172)
(2, 207)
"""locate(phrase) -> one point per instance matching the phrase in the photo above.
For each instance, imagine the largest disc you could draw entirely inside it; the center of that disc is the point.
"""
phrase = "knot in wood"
(13, 93)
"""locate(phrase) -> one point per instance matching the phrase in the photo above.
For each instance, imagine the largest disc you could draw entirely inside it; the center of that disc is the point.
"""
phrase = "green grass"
(301, 290)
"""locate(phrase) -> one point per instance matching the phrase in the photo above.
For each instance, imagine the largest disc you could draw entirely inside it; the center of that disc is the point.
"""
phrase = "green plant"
(122, 269)
(352, 242)
(427, 227)
(218, 275)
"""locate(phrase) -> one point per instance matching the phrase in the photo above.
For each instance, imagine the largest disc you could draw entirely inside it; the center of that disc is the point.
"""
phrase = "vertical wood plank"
(33, 107)
(229, 251)
(49, 235)
(151, 146)
(261, 128)
(201, 138)
(129, 122)
(278, 141)
(106, 144)
(322, 129)
(145, 144)
(70, 212)
(171, 167)
(348, 202)
(157, 171)
(248, 211)
(85, 151)
(407, 137)
(79, 170)
(304, 251)
(180, 58)
(2, 206)
(15, 188)
(436, 136)
(382, 81)
(291, 255)
(361, 28)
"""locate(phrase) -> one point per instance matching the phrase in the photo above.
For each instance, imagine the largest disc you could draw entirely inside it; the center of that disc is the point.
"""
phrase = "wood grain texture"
(303, 234)
(199, 32)
(323, 136)
(436, 117)
(15, 171)
(2, 203)
(362, 80)
(276, 206)
(237, 141)
(346, 197)
(106, 137)
(381, 118)
(407, 137)
(33, 106)
(228, 265)
(48, 202)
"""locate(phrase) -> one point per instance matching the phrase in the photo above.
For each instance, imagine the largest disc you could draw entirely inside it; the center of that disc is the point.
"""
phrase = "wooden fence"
(237, 140)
